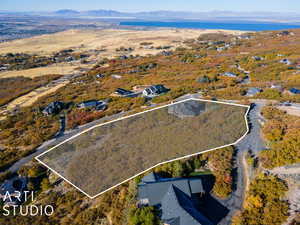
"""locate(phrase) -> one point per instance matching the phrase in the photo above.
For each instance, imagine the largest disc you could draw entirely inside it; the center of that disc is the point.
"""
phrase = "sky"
(152, 5)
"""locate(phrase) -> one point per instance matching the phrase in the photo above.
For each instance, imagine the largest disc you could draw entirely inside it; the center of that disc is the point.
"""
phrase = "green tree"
(143, 216)
(45, 184)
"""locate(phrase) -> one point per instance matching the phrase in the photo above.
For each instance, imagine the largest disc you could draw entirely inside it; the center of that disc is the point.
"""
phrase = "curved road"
(254, 142)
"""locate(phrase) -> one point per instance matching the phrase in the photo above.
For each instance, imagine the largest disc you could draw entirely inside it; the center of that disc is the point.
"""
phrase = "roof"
(187, 109)
(122, 91)
(229, 74)
(8, 185)
(53, 107)
(90, 103)
(178, 208)
(151, 177)
(253, 91)
(155, 190)
(156, 89)
(295, 90)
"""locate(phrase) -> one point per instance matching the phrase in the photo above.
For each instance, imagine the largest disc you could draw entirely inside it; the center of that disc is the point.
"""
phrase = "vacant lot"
(14, 87)
(112, 153)
(60, 69)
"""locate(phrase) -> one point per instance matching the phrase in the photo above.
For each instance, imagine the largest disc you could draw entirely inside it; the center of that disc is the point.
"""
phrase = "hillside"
(262, 68)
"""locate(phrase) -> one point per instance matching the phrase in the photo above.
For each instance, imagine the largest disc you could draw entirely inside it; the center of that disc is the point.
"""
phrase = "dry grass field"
(83, 40)
(60, 69)
(86, 40)
(107, 155)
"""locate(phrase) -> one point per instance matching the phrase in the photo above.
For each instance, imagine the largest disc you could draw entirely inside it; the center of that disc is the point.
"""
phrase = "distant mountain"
(164, 15)
(66, 12)
(106, 13)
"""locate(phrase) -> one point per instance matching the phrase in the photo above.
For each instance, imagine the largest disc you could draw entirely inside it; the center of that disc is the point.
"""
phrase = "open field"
(110, 154)
(110, 39)
(61, 69)
(30, 98)
(12, 88)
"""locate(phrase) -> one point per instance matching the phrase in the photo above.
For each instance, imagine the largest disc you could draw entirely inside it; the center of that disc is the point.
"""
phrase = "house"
(12, 187)
(286, 61)
(295, 91)
(98, 105)
(166, 53)
(187, 109)
(229, 74)
(53, 108)
(244, 37)
(253, 91)
(203, 79)
(123, 92)
(123, 57)
(285, 33)
(257, 58)
(278, 87)
(2, 68)
(220, 49)
(245, 80)
(155, 90)
(174, 197)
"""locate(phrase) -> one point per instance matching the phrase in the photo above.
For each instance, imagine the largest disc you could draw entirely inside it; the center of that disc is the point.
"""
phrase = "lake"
(243, 26)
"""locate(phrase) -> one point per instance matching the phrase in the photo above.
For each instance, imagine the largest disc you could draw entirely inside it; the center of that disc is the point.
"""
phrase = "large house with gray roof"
(175, 197)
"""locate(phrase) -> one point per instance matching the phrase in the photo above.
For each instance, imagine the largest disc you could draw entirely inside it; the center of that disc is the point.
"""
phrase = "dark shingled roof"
(151, 177)
(174, 196)
(177, 204)
(155, 191)
(187, 109)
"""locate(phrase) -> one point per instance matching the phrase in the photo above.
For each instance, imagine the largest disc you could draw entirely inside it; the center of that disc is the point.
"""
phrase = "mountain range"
(172, 15)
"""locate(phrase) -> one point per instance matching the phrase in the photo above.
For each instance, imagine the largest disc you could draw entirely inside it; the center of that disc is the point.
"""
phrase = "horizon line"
(145, 11)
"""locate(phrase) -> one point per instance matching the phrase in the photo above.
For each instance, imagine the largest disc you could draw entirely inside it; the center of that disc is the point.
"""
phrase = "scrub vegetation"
(91, 160)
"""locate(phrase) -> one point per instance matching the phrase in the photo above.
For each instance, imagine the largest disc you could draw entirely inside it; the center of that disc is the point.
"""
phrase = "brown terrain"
(105, 41)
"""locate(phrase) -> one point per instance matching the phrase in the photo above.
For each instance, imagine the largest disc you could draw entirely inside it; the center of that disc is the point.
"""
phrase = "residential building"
(124, 93)
(53, 108)
(155, 90)
(257, 58)
(98, 105)
(12, 188)
(229, 74)
(253, 91)
(295, 91)
(286, 61)
(175, 197)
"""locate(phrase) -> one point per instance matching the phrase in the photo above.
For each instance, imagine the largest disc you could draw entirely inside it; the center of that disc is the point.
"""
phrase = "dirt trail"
(33, 96)
(287, 170)
(293, 110)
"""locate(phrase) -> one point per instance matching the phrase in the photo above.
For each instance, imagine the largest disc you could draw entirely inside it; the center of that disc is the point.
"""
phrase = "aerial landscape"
(161, 113)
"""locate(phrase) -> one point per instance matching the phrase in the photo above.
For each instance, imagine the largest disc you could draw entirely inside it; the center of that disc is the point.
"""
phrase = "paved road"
(254, 142)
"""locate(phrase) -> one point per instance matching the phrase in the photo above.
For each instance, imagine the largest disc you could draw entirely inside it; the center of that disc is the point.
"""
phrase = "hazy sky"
(149, 5)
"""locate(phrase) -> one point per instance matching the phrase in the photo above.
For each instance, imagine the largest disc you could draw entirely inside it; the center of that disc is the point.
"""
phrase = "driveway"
(252, 141)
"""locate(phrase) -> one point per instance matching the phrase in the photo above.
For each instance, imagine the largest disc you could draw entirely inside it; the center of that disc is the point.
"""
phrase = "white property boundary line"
(168, 161)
